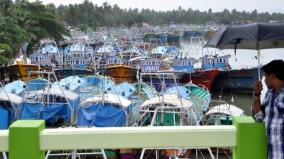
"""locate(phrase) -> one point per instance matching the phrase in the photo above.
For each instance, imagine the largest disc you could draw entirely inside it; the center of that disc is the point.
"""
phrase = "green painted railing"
(27, 139)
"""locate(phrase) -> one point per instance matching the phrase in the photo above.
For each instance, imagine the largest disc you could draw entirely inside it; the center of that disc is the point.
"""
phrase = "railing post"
(251, 139)
(24, 139)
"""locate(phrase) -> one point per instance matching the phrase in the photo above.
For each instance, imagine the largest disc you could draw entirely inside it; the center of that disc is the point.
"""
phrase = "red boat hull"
(201, 77)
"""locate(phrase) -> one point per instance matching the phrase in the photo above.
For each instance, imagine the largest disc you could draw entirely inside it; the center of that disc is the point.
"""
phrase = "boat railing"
(6, 93)
(32, 138)
(44, 97)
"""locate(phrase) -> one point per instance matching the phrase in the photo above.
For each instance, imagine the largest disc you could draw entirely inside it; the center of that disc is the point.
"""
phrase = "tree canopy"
(22, 21)
(5, 54)
(87, 14)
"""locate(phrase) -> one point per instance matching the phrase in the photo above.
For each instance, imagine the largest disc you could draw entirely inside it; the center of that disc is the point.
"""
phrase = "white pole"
(258, 64)
(4, 155)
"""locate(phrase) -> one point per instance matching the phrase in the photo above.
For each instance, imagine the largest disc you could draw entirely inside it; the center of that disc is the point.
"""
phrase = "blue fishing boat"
(78, 58)
(15, 87)
(166, 110)
(222, 114)
(200, 96)
(54, 105)
(9, 104)
(236, 80)
(107, 110)
(36, 84)
(210, 68)
(47, 54)
(71, 83)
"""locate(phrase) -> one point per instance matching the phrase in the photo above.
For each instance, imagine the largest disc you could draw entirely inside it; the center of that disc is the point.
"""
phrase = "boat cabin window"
(55, 99)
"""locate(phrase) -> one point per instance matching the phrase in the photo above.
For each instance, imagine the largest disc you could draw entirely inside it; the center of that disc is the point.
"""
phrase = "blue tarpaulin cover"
(4, 118)
(49, 113)
(101, 115)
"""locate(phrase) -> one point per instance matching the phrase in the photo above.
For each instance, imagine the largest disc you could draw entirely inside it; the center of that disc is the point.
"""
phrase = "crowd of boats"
(100, 101)
(112, 86)
(125, 64)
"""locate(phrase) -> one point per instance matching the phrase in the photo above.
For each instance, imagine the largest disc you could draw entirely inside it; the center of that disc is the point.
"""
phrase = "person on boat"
(271, 109)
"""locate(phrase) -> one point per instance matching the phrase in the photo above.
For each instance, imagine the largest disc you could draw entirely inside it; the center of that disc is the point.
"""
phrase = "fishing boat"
(211, 66)
(47, 54)
(42, 100)
(66, 72)
(78, 59)
(173, 40)
(122, 73)
(184, 64)
(55, 106)
(79, 54)
(173, 106)
(200, 96)
(15, 87)
(21, 71)
(88, 89)
(156, 67)
(142, 92)
(236, 80)
(131, 53)
(107, 110)
(200, 77)
(222, 114)
(165, 110)
(9, 104)
(168, 110)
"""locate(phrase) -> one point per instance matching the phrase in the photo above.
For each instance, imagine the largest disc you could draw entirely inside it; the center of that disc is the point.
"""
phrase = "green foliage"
(23, 21)
(4, 60)
(5, 50)
(5, 54)
(95, 16)
(83, 27)
(11, 32)
(39, 20)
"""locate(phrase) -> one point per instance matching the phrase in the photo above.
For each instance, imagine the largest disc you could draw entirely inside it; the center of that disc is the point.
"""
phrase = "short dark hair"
(275, 67)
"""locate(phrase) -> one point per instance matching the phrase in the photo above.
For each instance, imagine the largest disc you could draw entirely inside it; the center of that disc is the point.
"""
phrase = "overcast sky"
(163, 5)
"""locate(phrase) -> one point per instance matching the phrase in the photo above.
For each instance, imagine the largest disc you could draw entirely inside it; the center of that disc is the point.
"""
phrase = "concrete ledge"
(138, 137)
(4, 140)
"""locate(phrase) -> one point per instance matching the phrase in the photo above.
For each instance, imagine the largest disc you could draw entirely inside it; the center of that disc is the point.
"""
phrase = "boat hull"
(121, 73)
(66, 72)
(201, 77)
(241, 80)
(21, 71)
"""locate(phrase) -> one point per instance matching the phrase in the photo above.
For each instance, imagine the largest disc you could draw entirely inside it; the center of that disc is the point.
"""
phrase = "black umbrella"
(254, 36)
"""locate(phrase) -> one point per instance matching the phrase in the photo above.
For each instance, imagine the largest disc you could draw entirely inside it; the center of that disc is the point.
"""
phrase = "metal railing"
(238, 136)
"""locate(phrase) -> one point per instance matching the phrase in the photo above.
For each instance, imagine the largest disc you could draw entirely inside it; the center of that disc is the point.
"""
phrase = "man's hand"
(257, 88)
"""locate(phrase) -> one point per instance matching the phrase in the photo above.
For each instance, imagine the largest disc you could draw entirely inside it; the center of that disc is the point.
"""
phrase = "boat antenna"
(221, 92)
(232, 99)
(23, 51)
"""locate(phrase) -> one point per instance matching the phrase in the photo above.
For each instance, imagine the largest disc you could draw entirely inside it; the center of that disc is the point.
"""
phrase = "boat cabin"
(184, 64)
(150, 65)
(215, 62)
